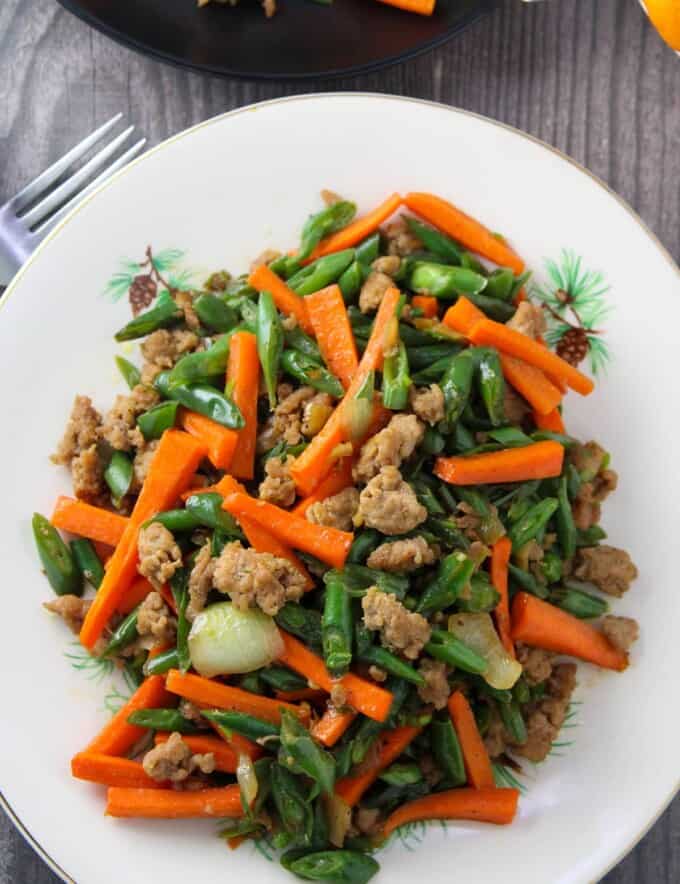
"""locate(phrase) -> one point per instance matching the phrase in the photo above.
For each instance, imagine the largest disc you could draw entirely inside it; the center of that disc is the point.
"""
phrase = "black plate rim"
(75, 8)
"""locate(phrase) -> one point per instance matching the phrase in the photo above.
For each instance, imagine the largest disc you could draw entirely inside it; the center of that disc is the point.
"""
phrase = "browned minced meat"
(299, 413)
(338, 695)
(587, 459)
(400, 240)
(164, 347)
(278, 486)
(428, 403)
(470, 522)
(388, 264)
(376, 673)
(251, 578)
(174, 761)
(82, 431)
(265, 257)
(87, 475)
(436, 689)
(389, 504)
(155, 620)
(546, 717)
(120, 423)
(587, 508)
(494, 739)
(402, 555)
(140, 465)
(536, 663)
(159, 555)
(516, 408)
(621, 631)
(71, 609)
(389, 447)
(609, 568)
(192, 713)
(400, 629)
(373, 291)
(185, 301)
(200, 580)
(529, 319)
(336, 511)
(529, 556)
(368, 820)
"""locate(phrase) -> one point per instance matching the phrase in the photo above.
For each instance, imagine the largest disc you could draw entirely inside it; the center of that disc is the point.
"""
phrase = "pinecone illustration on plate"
(573, 346)
(142, 292)
(141, 280)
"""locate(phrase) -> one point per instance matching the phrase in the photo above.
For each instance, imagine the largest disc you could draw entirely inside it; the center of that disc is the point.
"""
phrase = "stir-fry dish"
(340, 538)
(270, 7)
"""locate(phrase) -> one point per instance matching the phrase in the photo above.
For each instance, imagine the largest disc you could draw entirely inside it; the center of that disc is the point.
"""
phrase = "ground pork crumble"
(436, 689)
(257, 579)
(609, 568)
(299, 414)
(337, 511)
(159, 555)
(400, 629)
(427, 403)
(200, 580)
(389, 447)
(174, 761)
(278, 486)
(389, 504)
(401, 556)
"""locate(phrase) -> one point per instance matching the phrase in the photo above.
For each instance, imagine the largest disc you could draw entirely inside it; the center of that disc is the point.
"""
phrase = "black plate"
(304, 39)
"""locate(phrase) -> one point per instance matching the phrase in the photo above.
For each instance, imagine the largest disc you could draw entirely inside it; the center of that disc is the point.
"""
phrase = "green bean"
(252, 683)
(322, 224)
(451, 650)
(361, 324)
(500, 284)
(549, 436)
(321, 273)
(246, 725)
(154, 422)
(521, 691)
(285, 265)
(164, 312)
(446, 532)
(513, 722)
(427, 498)
(197, 367)
(494, 309)
(581, 604)
(248, 310)
(446, 750)
(482, 713)
(359, 577)
(396, 380)
(423, 357)
(336, 628)
(177, 521)
(435, 241)
(118, 475)
(363, 545)
(434, 372)
(292, 804)
(296, 339)
(131, 374)
(336, 866)
(532, 522)
(491, 384)
(527, 581)
(413, 337)
(162, 720)
(446, 496)
(564, 519)
(433, 442)
(444, 280)
(510, 437)
(590, 536)
(476, 500)
(351, 281)
(162, 663)
(462, 439)
(179, 586)
(203, 399)
(305, 623)
(282, 679)
(482, 596)
(269, 343)
(302, 754)
(214, 313)
(401, 774)
(207, 510)
(367, 652)
(368, 249)
(307, 371)
(87, 561)
(453, 573)
(123, 635)
(456, 385)
(550, 567)
(573, 481)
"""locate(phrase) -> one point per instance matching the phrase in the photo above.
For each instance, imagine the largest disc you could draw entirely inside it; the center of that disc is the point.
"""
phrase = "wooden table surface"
(588, 76)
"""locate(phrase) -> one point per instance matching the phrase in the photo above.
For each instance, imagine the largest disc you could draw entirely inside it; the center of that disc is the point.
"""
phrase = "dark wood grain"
(588, 76)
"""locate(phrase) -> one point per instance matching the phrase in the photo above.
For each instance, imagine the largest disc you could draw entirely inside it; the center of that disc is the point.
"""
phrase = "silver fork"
(27, 218)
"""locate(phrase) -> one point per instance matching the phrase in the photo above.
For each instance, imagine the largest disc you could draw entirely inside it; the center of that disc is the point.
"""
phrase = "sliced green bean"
(453, 573)
(203, 399)
(87, 561)
(118, 475)
(481, 596)
(527, 581)
(491, 384)
(269, 343)
(207, 509)
(513, 722)
(322, 224)
(162, 720)
(363, 545)
(532, 522)
(436, 242)
(321, 273)
(162, 663)
(302, 754)
(154, 422)
(446, 750)
(247, 725)
(281, 679)
(162, 314)
(457, 384)
(307, 371)
(302, 622)
(123, 635)
(130, 373)
(449, 649)
(579, 603)
(444, 280)
(368, 249)
(422, 357)
(214, 313)
(296, 339)
(336, 628)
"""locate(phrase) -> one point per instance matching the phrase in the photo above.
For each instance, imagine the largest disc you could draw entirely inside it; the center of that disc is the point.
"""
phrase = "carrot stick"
(334, 335)
(514, 343)
(169, 804)
(138, 591)
(551, 421)
(390, 745)
(531, 382)
(479, 805)
(111, 771)
(240, 745)
(541, 460)
(265, 280)
(475, 756)
(500, 556)
(226, 758)
(339, 478)
(118, 736)
(357, 230)
(332, 725)
(429, 306)
(243, 375)
(421, 7)
(328, 544)
(543, 625)
(468, 231)
(219, 441)
(362, 695)
(560, 383)
(463, 316)
(311, 467)
(222, 696)
(172, 468)
(88, 521)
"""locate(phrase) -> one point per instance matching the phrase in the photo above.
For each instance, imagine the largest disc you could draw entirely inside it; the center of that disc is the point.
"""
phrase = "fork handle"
(15, 246)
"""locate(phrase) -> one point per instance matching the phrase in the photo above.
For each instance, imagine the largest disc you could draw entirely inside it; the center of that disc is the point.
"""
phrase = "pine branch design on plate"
(140, 280)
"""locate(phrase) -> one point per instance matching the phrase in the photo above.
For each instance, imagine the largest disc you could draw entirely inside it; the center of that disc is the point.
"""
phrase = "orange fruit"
(665, 16)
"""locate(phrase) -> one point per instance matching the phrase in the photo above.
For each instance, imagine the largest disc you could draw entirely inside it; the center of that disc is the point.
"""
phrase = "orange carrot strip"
(334, 335)
(243, 375)
(88, 521)
(429, 306)
(479, 805)
(328, 544)
(219, 441)
(111, 771)
(476, 758)
(311, 467)
(138, 591)
(339, 478)
(118, 736)
(265, 280)
(541, 460)
(240, 745)
(560, 383)
(531, 382)
(551, 421)
(172, 468)
(390, 745)
(543, 625)
(222, 696)
(362, 695)
(500, 556)
(463, 316)
(169, 804)
(420, 7)
(356, 231)
(468, 231)
(226, 758)
(332, 725)
(514, 343)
